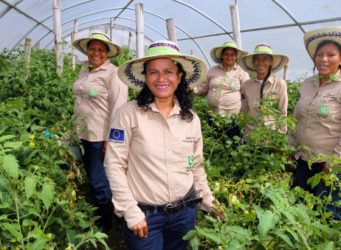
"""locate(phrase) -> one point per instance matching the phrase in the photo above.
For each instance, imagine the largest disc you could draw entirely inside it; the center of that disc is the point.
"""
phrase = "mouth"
(161, 86)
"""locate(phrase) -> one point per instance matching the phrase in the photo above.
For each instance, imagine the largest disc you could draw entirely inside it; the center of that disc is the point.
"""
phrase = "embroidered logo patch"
(233, 84)
(93, 92)
(323, 110)
(190, 160)
(116, 134)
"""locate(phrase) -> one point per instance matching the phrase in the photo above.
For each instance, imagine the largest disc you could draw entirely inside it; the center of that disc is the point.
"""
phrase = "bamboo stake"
(129, 39)
(171, 30)
(235, 24)
(57, 35)
(28, 45)
(112, 30)
(286, 72)
(139, 30)
(38, 45)
(73, 38)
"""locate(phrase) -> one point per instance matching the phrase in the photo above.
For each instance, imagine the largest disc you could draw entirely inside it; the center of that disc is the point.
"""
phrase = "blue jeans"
(303, 173)
(93, 160)
(165, 231)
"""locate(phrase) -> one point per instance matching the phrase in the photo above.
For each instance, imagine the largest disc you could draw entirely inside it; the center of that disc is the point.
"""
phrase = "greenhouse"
(243, 169)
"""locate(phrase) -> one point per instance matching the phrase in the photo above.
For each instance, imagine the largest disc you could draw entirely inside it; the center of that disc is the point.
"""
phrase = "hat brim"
(81, 45)
(216, 53)
(313, 38)
(279, 62)
(131, 72)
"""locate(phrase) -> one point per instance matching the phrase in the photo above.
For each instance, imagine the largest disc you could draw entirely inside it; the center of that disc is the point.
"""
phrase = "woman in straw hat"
(263, 63)
(154, 155)
(318, 112)
(98, 93)
(224, 81)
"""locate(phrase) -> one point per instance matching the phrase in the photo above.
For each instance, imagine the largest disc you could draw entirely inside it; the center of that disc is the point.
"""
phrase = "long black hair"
(264, 81)
(146, 97)
(323, 43)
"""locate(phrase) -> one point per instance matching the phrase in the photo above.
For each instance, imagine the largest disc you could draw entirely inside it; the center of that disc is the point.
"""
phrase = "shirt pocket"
(95, 89)
(188, 157)
(330, 108)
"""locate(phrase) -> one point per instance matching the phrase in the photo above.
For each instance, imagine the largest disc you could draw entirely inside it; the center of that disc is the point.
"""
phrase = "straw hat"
(131, 72)
(216, 52)
(82, 44)
(279, 61)
(313, 38)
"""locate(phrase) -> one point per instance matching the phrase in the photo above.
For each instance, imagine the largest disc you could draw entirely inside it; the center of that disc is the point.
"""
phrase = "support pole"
(235, 24)
(171, 30)
(57, 35)
(139, 30)
(286, 71)
(112, 30)
(38, 45)
(129, 39)
(73, 38)
(192, 52)
(28, 45)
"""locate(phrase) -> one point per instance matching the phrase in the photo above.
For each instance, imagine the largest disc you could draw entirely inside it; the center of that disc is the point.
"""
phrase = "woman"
(223, 83)
(98, 93)
(263, 64)
(318, 111)
(154, 154)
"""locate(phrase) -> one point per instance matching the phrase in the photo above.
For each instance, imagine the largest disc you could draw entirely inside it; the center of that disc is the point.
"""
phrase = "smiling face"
(262, 63)
(97, 52)
(327, 59)
(229, 57)
(162, 78)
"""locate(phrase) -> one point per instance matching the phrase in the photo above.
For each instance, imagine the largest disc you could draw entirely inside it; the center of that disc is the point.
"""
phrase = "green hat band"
(230, 44)
(263, 48)
(163, 48)
(99, 36)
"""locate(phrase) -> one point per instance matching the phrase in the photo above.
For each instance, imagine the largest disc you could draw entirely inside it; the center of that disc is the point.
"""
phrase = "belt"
(172, 207)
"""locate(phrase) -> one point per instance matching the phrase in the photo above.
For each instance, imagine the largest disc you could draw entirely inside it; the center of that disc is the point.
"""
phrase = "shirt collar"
(271, 79)
(175, 111)
(233, 67)
(104, 66)
(336, 77)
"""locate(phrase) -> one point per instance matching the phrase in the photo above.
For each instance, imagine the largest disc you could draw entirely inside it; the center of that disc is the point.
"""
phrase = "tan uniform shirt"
(223, 88)
(275, 88)
(154, 160)
(98, 94)
(318, 114)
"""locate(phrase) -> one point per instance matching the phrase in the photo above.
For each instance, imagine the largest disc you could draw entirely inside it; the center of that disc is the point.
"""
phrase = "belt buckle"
(170, 208)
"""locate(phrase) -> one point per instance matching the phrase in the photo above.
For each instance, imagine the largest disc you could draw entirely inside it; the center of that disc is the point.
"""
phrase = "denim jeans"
(93, 160)
(165, 231)
(303, 173)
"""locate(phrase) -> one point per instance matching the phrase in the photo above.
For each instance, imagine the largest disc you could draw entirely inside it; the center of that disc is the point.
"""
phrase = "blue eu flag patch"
(116, 134)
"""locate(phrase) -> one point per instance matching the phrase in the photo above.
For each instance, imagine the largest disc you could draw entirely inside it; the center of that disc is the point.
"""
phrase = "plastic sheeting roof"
(200, 25)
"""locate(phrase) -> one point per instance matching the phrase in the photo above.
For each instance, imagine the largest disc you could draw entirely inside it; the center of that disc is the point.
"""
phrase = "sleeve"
(116, 165)
(283, 102)
(200, 179)
(118, 93)
(202, 89)
(243, 78)
(245, 107)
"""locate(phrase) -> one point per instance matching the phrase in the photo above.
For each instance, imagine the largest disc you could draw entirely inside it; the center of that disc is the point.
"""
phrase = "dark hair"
(236, 51)
(146, 97)
(106, 45)
(324, 43)
(264, 81)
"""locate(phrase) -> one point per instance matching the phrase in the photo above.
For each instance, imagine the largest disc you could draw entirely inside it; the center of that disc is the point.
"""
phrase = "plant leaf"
(47, 194)
(30, 186)
(267, 220)
(11, 166)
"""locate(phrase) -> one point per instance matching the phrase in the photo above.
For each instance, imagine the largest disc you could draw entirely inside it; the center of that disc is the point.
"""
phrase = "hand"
(104, 149)
(140, 229)
(218, 214)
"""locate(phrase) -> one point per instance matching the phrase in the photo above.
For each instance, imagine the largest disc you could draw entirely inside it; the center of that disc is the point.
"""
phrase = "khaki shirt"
(98, 94)
(275, 88)
(154, 160)
(318, 114)
(230, 83)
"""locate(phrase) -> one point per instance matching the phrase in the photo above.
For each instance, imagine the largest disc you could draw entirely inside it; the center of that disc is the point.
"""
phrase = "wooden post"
(171, 30)
(57, 35)
(129, 39)
(139, 30)
(235, 24)
(286, 71)
(38, 45)
(28, 45)
(73, 38)
(192, 52)
(112, 29)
